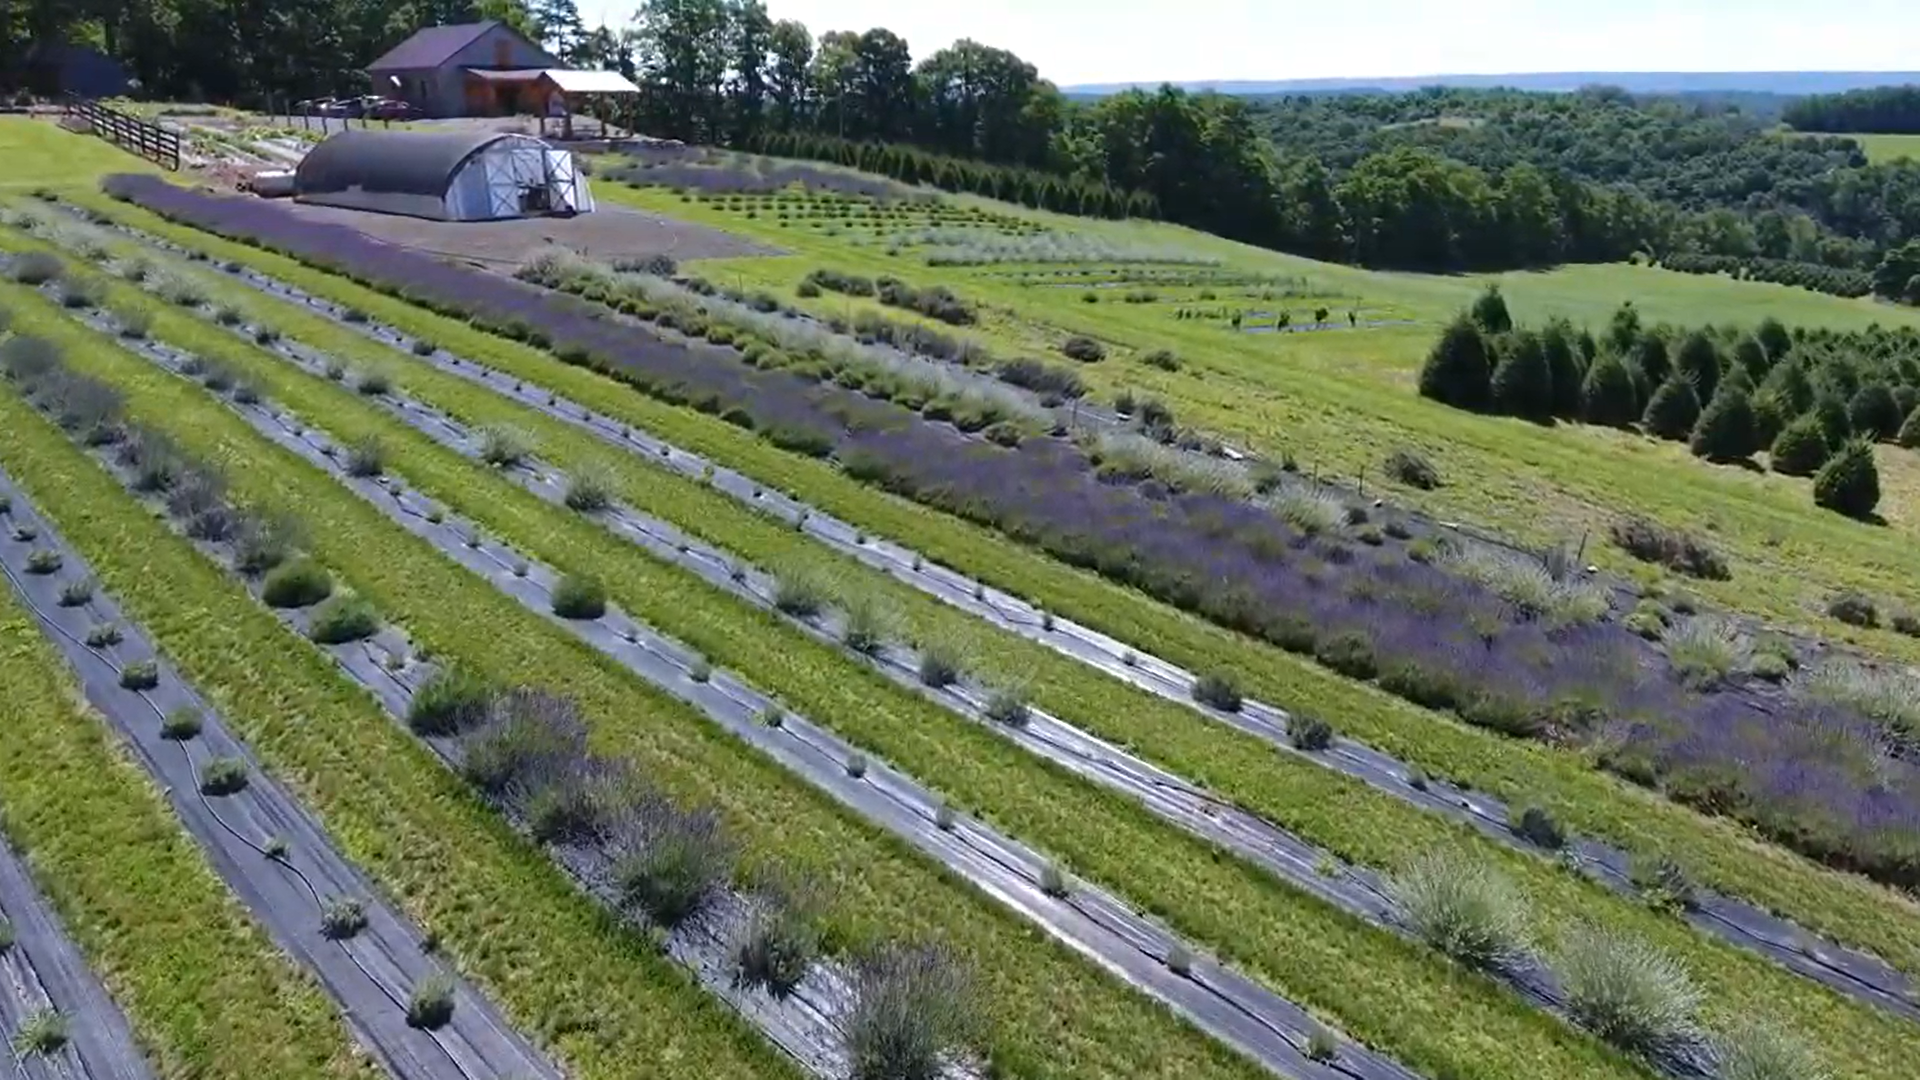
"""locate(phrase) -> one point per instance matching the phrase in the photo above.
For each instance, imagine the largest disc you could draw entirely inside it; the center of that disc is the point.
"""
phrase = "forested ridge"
(1434, 180)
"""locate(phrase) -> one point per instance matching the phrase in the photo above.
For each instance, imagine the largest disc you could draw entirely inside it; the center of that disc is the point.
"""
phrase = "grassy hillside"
(1339, 399)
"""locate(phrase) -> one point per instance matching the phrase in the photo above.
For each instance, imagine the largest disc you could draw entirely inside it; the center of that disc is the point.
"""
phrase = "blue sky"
(1082, 41)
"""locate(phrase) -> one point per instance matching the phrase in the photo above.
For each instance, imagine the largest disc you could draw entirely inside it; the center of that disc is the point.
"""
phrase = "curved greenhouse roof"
(405, 172)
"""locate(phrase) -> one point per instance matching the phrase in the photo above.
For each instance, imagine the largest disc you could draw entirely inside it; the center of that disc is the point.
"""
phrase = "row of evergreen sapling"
(1693, 392)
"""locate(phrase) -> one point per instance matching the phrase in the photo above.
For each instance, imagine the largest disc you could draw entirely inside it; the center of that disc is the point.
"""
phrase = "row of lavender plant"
(864, 621)
(661, 865)
(1659, 880)
(1503, 644)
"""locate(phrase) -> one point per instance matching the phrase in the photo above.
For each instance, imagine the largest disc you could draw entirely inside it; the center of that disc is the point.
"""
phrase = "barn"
(443, 176)
(486, 69)
(442, 70)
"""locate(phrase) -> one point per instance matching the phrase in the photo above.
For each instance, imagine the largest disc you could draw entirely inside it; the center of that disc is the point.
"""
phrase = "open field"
(1236, 768)
(1151, 289)
(1883, 148)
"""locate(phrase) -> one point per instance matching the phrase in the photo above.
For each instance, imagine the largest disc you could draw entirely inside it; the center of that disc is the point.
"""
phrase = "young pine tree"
(1490, 312)
(1801, 448)
(1564, 363)
(1873, 412)
(1751, 357)
(1608, 395)
(1457, 372)
(1909, 436)
(1849, 483)
(1674, 410)
(1650, 356)
(1727, 430)
(1523, 383)
(1699, 360)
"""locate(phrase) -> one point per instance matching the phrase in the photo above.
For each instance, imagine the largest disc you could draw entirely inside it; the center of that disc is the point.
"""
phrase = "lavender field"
(1822, 763)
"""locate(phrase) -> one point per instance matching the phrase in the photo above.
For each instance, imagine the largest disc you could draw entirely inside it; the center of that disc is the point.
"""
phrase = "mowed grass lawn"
(1340, 400)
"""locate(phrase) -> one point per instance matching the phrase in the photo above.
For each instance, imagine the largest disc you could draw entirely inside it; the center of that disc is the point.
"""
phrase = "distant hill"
(1637, 82)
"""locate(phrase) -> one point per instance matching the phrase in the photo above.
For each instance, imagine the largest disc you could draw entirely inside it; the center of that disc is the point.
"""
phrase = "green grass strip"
(208, 993)
(1390, 992)
(1718, 853)
(1336, 811)
(553, 960)
(1054, 1013)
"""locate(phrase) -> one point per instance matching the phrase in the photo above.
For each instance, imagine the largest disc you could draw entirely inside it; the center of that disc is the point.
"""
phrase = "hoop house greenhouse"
(483, 176)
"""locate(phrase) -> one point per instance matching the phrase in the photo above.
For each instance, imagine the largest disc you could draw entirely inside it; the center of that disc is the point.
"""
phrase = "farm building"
(73, 69)
(445, 176)
(485, 69)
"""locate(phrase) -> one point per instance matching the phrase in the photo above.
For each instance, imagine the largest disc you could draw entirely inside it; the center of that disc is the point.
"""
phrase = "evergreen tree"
(1589, 347)
(1849, 483)
(1523, 383)
(1830, 410)
(1490, 312)
(1770, 416)
(1623, 329)
(1788, 379)
(1674, 410)
(1751, 357)
(1456, 372)
(1699, 360)
(1874, 413)
(1737, 376)
(1774, 339)
(1801, 448)
(1910, 431)
(1650, 356)
(1565, 366)
(1727, 431)
(1907, 398)
(1608, 396)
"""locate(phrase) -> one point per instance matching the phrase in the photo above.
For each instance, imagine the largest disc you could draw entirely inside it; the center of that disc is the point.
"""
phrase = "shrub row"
(913, 165)
(1833, 280)
(1816, 401)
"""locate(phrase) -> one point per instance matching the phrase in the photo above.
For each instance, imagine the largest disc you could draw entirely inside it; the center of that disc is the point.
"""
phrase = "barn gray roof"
(394, 172)
(431, 46)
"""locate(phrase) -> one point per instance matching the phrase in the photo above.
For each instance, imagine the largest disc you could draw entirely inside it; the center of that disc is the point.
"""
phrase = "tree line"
(1441, 180)
(1889, 110)
(1718, 181)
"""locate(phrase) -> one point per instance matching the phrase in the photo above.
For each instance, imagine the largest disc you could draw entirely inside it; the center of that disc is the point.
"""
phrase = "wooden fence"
(143, 137)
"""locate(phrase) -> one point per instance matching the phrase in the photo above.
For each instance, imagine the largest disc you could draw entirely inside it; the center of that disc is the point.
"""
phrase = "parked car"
(391, 109)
